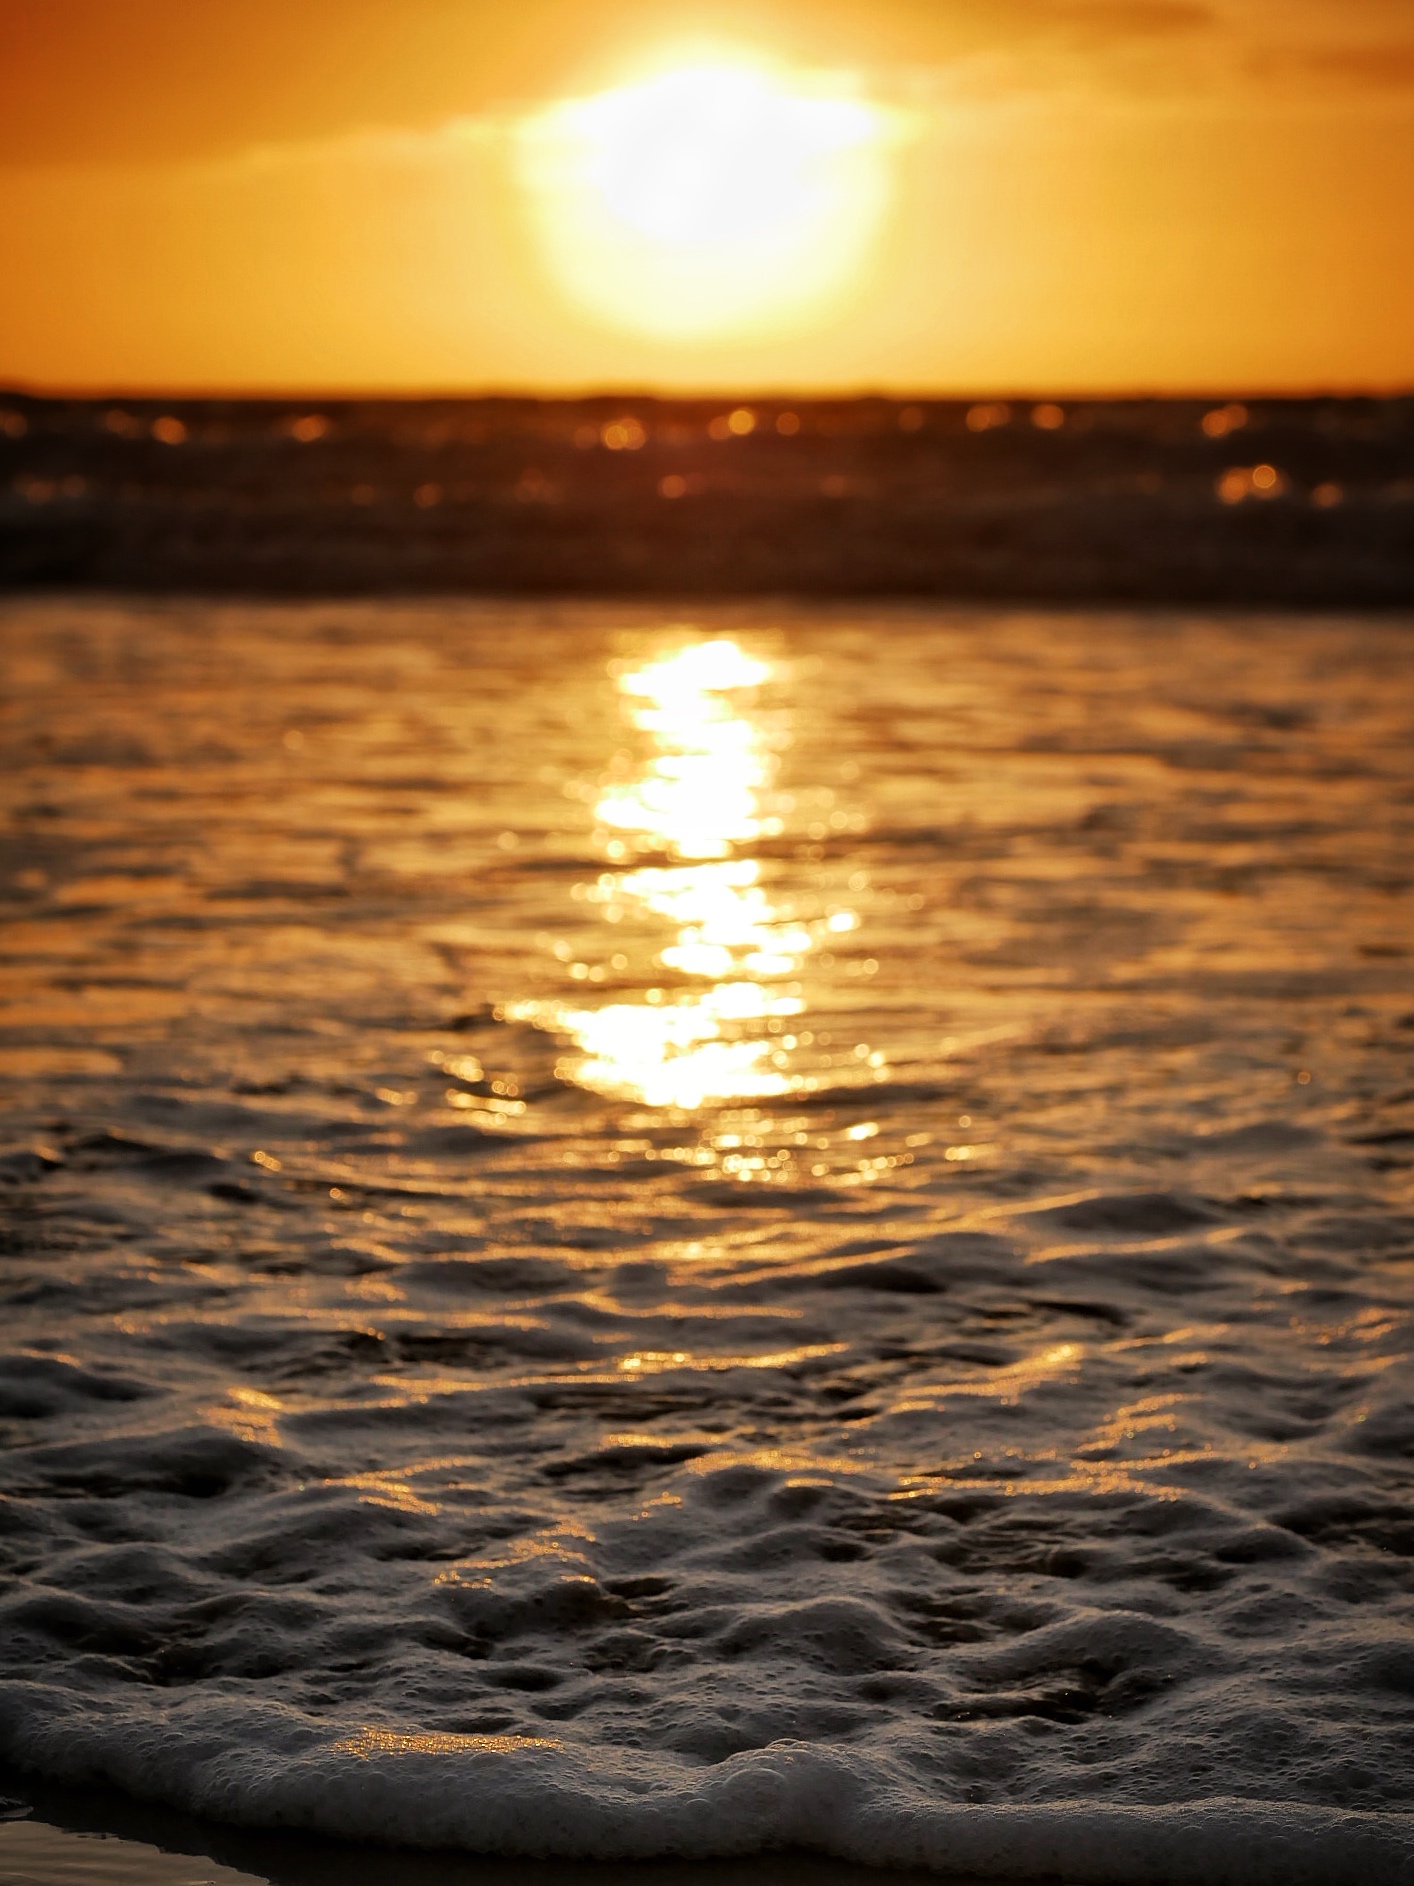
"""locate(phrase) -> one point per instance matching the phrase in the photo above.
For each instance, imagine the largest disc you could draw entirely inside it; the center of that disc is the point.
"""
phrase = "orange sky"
(1085, 194)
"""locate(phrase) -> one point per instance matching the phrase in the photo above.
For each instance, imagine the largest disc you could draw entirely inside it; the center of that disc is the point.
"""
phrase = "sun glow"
(708, 200)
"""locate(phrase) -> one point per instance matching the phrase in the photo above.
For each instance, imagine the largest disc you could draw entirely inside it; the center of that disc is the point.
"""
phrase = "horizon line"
(777, 395)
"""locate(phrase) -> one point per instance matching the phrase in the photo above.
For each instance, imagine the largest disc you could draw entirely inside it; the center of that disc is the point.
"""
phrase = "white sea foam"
(984, 1444)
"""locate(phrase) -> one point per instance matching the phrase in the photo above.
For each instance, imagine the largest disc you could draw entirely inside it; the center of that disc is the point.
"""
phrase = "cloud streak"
(1362, 67)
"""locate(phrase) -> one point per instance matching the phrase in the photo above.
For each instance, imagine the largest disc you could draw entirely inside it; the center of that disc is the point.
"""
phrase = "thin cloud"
(1375, 68)
(1109, 21)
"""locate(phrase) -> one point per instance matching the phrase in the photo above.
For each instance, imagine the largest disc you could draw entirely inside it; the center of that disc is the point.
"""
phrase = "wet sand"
(632, 1237)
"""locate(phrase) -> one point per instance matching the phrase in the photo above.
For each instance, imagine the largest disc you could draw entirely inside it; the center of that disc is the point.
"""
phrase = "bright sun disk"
(708, 200)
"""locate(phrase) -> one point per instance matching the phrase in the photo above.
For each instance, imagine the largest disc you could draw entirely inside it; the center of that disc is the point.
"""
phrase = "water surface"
(631, 1237)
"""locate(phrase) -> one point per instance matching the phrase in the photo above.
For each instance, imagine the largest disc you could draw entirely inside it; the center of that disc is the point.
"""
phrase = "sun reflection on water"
(702, 795)
(701, 792)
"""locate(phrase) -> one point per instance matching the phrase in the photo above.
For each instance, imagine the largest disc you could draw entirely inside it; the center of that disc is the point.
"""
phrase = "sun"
(707, 200)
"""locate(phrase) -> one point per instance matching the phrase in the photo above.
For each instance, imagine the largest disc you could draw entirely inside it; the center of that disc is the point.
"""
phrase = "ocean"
(1274, 502)
(636, 1234)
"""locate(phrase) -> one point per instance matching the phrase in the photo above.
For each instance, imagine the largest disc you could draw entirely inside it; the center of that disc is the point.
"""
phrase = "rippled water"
(630, 1237)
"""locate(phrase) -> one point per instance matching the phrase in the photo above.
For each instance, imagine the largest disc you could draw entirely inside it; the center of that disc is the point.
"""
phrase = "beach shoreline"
(97, 1835)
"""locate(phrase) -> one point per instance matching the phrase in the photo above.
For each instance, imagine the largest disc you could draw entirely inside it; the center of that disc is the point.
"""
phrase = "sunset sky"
(931, 195)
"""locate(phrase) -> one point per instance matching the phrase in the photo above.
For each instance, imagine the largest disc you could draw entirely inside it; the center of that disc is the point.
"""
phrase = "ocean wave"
(882, 1330)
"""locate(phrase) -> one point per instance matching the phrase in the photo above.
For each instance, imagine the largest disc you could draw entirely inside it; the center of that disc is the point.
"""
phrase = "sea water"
(635, 1233)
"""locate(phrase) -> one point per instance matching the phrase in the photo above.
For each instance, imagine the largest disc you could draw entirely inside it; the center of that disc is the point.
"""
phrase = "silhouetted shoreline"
(1293, 502)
